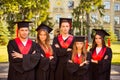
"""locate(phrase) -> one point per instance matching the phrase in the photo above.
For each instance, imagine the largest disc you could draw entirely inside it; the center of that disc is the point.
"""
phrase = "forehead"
(65, 23)
(97, 36)
(24, 28)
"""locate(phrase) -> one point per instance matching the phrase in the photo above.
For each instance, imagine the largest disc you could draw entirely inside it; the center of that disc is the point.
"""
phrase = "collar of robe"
(65, 44)
(47, 52)
(78, 59)
(24, 49)
(100, 55)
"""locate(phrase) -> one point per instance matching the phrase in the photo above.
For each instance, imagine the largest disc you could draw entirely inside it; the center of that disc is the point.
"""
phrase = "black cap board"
(45, 27)
(79, 38)
(101, 32)
(21, 24)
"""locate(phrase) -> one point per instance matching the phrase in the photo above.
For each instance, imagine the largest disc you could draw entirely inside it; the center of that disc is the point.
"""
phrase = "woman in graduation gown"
(78, 65)
(62, 45)
(23, 55)
(46, 66)
(101, 57)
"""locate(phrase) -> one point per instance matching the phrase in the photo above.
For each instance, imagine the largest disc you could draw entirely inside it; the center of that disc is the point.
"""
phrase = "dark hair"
(65, 21)
(94, 43)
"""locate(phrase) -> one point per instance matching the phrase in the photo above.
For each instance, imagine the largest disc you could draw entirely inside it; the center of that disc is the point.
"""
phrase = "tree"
(3, 33)
(81, 15)
(18, 10)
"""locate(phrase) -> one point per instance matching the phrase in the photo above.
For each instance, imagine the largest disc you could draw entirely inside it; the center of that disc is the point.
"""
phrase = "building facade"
(111, 19)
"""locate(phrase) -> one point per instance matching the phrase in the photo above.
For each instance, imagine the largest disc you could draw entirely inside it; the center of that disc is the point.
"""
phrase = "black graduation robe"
(22, 68)
(62, 57)
(101, 71)
(79, 72)
(45, 69)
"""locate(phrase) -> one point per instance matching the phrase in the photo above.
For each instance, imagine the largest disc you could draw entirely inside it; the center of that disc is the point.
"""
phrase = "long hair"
(47, 41)
(74, 52)
(94, 45)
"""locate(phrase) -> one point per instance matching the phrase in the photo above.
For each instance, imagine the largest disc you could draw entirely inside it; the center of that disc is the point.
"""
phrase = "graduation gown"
(62, 57)
(101, 71)
(79, 72)
(45, 69)
(22, 68)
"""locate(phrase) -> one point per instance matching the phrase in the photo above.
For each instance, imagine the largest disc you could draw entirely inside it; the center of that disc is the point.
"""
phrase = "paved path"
(115, 72)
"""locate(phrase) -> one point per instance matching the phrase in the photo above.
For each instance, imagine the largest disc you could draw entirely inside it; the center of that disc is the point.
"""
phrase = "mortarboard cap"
(101, 32)
(43, 26)
(79, 38)
(69, 20)
(22, 24)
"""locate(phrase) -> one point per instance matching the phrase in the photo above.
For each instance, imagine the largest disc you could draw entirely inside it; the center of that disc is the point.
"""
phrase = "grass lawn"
(115, 49)
(3, 54)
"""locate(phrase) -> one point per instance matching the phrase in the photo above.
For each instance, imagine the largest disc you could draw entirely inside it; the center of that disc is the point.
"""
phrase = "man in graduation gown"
(23, 55)
(62, 45)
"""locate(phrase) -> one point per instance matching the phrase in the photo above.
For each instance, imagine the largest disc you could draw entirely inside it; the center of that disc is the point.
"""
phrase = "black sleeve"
(44, 63)
(31, 60)
(53, 62)
(16, 63)
(105, 64)
(72, 67)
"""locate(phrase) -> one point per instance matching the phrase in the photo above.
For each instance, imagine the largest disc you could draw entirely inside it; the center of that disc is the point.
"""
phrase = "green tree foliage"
(18, 10)
(82, 16)
(3, 33)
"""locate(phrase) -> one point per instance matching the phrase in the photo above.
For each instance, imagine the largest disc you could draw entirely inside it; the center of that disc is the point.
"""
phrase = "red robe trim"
(100, 55)
(67, 43)
(78, 60)
(24, 49)
(47, 52)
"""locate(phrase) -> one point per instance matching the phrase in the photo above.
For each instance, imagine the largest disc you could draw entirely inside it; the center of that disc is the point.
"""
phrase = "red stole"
(100, 55)
(23, 49)
(47, 52)
(67, 43)
(77, 59)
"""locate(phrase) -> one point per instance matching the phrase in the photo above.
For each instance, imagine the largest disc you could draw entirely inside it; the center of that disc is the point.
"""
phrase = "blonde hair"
(47, 41)
(74, 52)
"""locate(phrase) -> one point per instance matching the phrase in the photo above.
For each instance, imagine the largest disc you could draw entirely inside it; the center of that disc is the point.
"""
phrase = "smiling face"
(23, 32)
(65, 27)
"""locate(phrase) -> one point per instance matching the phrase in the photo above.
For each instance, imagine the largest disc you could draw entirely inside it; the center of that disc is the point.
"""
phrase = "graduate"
(78, 65)
(101, 57)
(45, 69)
(23, 55)
(62, 45)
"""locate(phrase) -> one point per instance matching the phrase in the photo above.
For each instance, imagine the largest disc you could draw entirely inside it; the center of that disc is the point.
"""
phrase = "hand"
(82, 64)
(33, 52)
(70, 61)
(57, 46)
(106, 57)
(51, 57)
(94, 61)
(86, 62)
(17, 55)
(69, 49)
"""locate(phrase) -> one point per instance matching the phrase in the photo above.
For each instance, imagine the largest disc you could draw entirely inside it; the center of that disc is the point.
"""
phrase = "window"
(117, 7)
(117, 20)
(94, 18)
(57, 18)
(107, 19)
(70, 4)
(107, 5)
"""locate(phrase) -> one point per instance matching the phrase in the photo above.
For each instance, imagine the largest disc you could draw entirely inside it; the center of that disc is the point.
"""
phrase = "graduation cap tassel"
(16, 32)
(86, 43)
(109, 42)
